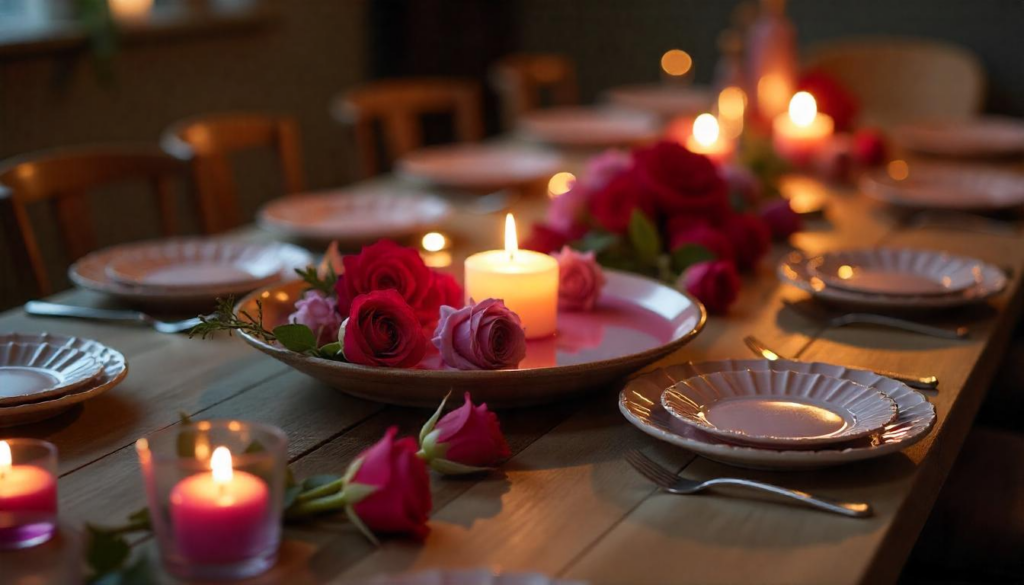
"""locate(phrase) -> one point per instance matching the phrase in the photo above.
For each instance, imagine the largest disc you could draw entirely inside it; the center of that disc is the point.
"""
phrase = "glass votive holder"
(28, 492)
(216, 492)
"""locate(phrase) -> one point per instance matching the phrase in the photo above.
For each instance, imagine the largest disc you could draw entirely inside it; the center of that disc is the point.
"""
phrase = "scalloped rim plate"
(897, 271)
(36, 371)
(779, 409)
(947, 186)
(197, 265)
(640, 403)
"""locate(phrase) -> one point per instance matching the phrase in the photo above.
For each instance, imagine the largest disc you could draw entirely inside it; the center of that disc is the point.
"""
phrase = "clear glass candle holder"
(216, 493)
(28, 492)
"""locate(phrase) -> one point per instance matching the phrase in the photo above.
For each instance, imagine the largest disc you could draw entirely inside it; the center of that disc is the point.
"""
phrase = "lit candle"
(706, 139)
(526, 281)
(801, 131)
(28, 502)
(220, 516)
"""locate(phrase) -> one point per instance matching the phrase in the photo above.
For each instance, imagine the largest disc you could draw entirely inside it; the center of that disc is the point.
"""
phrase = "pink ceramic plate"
(197, 265)
(663, 99)
(588, 126)
(640, 403)
(779, 409)
(637, 321)
(897, 271)
(480, 166)
(985, 136)
(943, 186)
(34, 371)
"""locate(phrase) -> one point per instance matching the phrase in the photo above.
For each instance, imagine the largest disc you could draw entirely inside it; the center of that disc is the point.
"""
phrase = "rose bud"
(388, 488)
(331, 265)
(319, 313)
(683, 230)
(715, 283)
(382, 330)
(580, 280)
(481, 336)
(868, 147)
(751, 239)
(466, 440)
(781, 219)
(388, 266)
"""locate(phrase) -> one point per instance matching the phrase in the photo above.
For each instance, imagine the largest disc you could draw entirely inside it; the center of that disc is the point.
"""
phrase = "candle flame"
(511, 241)
(705, 129)
(803, 109)
(220, 464)
(5, 456)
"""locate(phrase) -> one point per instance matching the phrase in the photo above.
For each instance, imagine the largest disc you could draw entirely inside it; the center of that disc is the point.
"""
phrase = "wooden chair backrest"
(904, 80)
(521, 79)
(63, 177)
(398, 104)
(209, 141)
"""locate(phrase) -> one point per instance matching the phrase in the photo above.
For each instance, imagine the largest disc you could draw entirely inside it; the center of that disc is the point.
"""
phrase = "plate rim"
(557, 160)
(877, 185)
(813, 264)
(93, 371)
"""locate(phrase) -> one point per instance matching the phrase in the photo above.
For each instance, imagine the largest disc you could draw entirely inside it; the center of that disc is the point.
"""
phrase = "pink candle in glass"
(28, 501)
(220, 516)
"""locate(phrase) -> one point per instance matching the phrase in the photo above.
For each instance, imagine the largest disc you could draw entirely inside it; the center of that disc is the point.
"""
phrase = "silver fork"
(819, 316)
(919, 382)
(45, 309)
(674, 484)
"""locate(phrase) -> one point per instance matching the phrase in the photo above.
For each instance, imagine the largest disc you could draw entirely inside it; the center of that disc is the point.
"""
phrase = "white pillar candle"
(526, 281)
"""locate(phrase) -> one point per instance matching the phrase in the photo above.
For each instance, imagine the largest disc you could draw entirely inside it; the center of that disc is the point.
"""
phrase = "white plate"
(479, 166)
(354, 216)
(469, 577)
(114, 370)
(640, 403)
(90, 273)
(35, 371)
(945, 186)
(588, 126)
(897, 271)
(779, 409)
(793, 271)
(197, 264)
(663, 99)
(984, 136)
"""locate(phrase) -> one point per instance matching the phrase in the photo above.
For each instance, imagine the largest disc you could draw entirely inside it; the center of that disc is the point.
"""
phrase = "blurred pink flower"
(580, 280)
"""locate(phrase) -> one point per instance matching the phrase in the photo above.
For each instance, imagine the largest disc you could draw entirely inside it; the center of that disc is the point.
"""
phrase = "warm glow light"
(130, 9)
(560, 184)
(803, 109)
(676, 62)
(899, 170)
(434, 242)
(732, 101)
(220, 465)
(845, 272)
(511, 241)
(5, 456)
(705, 129)
(772, 93)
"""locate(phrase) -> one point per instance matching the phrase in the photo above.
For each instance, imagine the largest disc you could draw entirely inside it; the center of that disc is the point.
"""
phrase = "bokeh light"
(560, 183)
(899, 170)
(676, 62)
(434, 242)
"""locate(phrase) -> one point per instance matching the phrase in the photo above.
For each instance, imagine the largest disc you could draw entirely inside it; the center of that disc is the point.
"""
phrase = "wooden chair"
(904, 80)
(209, 141)
(63, 177)
(397, 105)
(521, 80)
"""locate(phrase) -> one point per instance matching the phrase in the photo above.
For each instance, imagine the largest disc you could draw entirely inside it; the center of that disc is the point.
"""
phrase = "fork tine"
(642, 468)
(651, 470)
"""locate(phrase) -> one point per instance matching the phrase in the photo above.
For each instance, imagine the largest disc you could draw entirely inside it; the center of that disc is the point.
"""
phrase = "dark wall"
(619, 41)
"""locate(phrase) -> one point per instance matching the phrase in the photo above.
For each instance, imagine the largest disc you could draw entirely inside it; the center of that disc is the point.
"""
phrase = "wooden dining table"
(566, 503)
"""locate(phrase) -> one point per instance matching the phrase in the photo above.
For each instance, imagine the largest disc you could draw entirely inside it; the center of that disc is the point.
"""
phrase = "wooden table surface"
(566, 503)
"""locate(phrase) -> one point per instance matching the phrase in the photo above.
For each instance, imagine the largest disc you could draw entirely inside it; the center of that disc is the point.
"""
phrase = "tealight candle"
(220, 516)
(526, 281)
(707, 139)
(28, 493)
(799, 132)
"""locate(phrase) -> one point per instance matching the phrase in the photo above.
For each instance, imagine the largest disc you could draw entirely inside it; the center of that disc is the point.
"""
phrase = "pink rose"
(331, 262)
(382, 330)
(781, 219)
(868, 147)
(742, 185)
(468, 437)
(613, 205)
(750, 237)
(683, 230)
(715, 283)
(580, 280)
(320, 314)
(680, 182)
(481, 336)
(386, 265)
(400, 501)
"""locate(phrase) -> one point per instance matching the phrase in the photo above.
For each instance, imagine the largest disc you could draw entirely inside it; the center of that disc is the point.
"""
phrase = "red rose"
(832, 98)
(780, 218)
(470, 437)
(868, 147)
(750, 237)
(681, 182)
(400, 502)
(382, 330)
(449, 289)
(386, 265)
(715, 283)
(684, 230)
(613, 205)
(545, 239)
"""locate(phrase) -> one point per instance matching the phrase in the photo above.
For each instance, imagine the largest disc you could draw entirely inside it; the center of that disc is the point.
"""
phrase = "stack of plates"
(985, 136)
(42, 375)
(777, 414)
(946, 186)
(893, 278)
(187, 270)
(590, 126)
(663, 99)
(479, 166)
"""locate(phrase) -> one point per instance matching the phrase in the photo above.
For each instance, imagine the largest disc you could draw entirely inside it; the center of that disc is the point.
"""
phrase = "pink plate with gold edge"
(637, 321)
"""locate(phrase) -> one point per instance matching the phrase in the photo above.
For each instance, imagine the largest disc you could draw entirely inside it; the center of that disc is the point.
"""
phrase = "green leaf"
(291, 494)
(105, 551)
(316, 481)
(429, 425)
(689, 254)
(296, 337)
(644, 237)
(139, 520)
(358, 523)
(596, 241)
(330, 351)
(447, 467)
